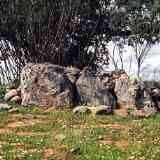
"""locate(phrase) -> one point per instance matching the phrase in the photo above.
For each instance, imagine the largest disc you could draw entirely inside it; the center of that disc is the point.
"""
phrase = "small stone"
(81, 109)
(150, 110)
(5, 106)
(138, 113)
(12, 93)
(101, 109)
(60, 137)
(48, 153)
(144, 112)
(13, 110)
(75, 150)
(16, 99)
(121, 113)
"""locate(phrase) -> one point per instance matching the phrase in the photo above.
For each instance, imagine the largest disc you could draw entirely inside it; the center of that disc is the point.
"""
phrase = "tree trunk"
(139, 71)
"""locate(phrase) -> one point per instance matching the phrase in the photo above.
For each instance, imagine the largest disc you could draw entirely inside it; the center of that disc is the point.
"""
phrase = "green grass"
(33, 134)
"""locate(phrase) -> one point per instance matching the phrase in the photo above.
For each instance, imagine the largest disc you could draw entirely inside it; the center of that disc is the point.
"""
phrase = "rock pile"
(48, 85)
(13, 95)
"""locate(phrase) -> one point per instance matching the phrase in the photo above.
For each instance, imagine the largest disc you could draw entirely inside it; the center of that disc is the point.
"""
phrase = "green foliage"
(59, 32)
(2, 92)
(152, 84)
(13, 84)
(62, 31)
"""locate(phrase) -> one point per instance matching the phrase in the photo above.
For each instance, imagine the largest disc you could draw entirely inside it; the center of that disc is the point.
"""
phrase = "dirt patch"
(17, 145)
(5, 131)
(34, 121)
(122, 144)
(16, 124)
(3, 143)
(31, 134)
(114, 126)
(49, 152)
(48, 110)
(80, 126)
(79, 132)
(32, 151)
(17, 115)
(28, 116)
(106, 142)
(24, 123)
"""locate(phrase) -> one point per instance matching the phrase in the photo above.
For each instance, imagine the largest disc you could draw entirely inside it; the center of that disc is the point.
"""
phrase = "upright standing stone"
(91, 91)
(125, 91)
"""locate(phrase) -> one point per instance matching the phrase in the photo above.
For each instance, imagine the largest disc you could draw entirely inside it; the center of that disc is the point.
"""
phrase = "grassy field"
(38, 134)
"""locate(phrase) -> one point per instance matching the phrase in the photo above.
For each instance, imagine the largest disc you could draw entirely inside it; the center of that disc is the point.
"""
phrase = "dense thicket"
(73, 32)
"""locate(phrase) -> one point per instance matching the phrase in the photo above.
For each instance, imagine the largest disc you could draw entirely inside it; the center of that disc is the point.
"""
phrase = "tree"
(142, 20)
(59, 31)
(141, 49)
(64, 31)
(116, 56)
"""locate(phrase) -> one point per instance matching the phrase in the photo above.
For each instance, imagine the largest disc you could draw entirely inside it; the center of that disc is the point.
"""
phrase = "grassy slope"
(33, 134)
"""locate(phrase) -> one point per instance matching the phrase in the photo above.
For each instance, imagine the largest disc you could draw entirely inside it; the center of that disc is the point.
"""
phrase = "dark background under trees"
(73, 32)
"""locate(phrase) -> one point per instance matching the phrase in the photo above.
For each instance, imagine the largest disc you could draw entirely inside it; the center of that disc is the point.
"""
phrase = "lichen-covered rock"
(126, 92)
(10, 94)
(106, 80)
(46, 85)
(91, 90)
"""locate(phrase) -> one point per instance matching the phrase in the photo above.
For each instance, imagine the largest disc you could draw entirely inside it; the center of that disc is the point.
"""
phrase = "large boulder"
(91, 90)
(126, 91)
(46, 85)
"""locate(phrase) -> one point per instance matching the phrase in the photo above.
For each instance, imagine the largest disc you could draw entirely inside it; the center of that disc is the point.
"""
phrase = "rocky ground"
(41, 134)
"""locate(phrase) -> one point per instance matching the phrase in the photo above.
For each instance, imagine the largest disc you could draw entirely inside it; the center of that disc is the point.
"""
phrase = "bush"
(2, 93)
(152, 84)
